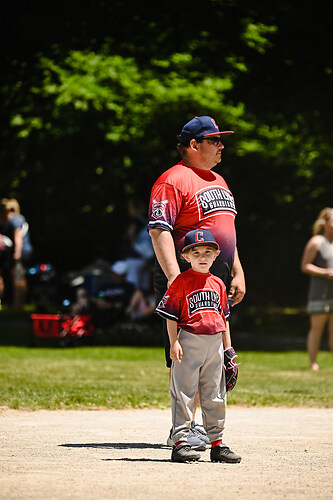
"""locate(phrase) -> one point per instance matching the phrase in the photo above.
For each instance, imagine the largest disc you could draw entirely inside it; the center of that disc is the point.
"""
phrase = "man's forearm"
(165, 253)
(237, 287)
(237, 269)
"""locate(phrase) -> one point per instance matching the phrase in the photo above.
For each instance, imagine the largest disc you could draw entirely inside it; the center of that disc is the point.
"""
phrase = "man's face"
(210, 149)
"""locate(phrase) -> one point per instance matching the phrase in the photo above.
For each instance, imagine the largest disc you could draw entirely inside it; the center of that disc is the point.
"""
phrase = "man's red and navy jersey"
(197, 302)
(185, 198)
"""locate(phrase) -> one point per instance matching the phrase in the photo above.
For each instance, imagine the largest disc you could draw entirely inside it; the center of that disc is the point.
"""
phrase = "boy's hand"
(176, 352)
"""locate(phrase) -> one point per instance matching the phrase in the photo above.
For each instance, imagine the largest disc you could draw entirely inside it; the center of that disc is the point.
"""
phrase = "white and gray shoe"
(199, 431)
(193, 440)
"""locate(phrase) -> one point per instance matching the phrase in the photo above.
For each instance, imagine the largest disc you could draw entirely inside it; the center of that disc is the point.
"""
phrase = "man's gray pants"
(201, 369)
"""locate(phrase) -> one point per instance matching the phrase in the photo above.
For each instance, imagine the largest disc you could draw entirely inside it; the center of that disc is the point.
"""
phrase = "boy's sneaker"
(169, 440)
(194, 441)
(184, 453)
(199, 431)
(222, 453)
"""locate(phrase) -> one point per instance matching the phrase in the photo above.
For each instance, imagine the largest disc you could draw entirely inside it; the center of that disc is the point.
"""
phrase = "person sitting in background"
(137, 248)
(110, 301)
(317, 261)
(142, 305)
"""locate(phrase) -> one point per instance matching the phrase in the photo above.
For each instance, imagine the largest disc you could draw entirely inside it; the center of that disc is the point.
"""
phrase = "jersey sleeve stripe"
(166, 315)
(159, 224)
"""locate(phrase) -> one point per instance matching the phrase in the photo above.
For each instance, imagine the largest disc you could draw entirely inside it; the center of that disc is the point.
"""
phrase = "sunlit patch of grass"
(136, 377)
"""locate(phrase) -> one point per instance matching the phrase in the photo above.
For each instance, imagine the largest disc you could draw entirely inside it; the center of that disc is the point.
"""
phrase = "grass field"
(131, 377)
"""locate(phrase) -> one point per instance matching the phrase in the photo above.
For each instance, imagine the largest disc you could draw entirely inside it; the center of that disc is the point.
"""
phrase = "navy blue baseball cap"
(199, 237)
(200, 126)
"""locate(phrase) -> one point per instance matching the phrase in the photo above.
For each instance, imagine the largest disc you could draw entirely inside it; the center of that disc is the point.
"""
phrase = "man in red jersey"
(189, 196)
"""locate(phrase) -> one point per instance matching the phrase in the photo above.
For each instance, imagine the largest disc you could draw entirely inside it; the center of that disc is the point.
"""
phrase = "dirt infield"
(287, 453)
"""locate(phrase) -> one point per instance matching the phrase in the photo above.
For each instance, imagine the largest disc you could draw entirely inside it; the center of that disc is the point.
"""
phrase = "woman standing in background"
(317, 261)
(17, 228)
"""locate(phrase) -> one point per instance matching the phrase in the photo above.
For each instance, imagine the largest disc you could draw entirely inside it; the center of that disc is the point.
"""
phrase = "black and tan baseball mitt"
(231, 368)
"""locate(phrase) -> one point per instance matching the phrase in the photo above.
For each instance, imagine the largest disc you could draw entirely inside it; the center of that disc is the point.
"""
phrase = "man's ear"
(194, 144)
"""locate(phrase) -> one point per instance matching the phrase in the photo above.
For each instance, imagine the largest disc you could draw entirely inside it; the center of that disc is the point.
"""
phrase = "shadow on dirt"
(118, 446)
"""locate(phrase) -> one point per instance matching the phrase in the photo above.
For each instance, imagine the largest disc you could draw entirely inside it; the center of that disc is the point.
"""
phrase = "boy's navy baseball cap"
(199, 237)
(200, 126)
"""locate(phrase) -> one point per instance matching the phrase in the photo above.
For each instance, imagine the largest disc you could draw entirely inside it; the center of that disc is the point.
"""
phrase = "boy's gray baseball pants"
(201, 368)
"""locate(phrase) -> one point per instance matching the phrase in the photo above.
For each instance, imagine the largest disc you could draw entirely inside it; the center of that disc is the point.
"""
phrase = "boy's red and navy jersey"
(185, 198)
(197, 302)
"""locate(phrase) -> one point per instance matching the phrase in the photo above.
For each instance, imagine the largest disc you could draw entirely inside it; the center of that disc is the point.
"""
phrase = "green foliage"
(255, 35)
(123, 93)
(128, 377)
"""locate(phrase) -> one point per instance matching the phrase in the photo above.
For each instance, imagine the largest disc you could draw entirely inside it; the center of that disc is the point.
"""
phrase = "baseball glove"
(231, 368)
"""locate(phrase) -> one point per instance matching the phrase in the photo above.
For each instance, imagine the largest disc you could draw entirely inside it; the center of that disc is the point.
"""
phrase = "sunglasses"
(216, 140)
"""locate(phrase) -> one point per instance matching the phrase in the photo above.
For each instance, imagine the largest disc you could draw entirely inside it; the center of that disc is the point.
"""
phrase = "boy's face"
(201, 258)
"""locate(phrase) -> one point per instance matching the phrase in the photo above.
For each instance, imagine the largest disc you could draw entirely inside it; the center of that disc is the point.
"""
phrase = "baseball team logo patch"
(203, 300)
(163, 301)
(213, 200)
(158, 208)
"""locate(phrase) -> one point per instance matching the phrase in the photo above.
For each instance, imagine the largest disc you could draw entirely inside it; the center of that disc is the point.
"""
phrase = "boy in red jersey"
(196, 303)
